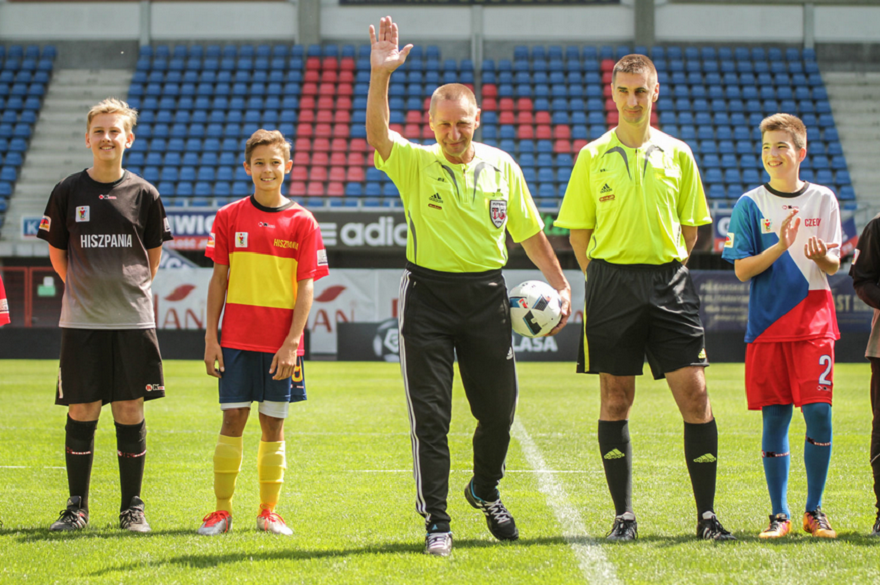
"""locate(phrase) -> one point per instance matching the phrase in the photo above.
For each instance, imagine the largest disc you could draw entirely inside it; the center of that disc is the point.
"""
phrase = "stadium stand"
(25, 72)
(198, 105)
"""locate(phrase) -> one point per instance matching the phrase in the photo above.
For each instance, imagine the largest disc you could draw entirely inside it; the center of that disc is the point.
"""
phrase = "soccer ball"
(535, 308)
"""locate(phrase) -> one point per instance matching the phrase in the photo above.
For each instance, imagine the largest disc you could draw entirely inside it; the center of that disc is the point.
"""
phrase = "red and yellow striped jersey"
(268, 250)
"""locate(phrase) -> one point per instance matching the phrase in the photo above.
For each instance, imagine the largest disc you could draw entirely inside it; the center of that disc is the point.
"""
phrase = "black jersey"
(106, 229)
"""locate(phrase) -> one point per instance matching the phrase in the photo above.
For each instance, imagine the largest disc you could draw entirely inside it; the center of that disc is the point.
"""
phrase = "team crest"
(241, 239)
(45, 223)
(498, 212)
(82, 213)
(211, 240)
(322, 257)
(766, 226)
(728, 243)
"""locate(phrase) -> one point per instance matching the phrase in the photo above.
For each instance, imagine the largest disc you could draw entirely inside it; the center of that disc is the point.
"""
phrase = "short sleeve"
(578, 211)
(740, 242)
(218, 242)
(400, 166)
(523, 219)
(312, 261)
(834, 233)
(865, 268)
(692, 207)
(53, 225)
(158, 228)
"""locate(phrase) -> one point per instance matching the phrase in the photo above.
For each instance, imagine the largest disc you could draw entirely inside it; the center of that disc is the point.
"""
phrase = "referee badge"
(498, 212)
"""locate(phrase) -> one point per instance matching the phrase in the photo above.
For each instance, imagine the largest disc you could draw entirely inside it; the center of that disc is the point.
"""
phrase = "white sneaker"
(272, 522)
(216, 523)
(438, 544)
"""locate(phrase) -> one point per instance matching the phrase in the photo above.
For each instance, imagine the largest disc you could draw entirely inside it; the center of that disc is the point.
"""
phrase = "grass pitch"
(349, 493)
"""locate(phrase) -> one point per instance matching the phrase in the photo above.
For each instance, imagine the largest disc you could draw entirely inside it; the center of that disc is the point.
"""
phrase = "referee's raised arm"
(385, 58)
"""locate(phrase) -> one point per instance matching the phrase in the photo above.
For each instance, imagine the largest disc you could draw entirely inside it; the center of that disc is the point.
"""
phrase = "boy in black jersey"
(105, 228)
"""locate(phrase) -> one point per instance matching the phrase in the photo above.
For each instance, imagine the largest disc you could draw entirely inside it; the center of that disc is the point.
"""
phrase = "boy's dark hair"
(635, 64)
(266, 137)
(787, 123)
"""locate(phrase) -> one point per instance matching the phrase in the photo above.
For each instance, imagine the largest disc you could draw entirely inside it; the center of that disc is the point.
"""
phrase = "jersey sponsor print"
(791, 300)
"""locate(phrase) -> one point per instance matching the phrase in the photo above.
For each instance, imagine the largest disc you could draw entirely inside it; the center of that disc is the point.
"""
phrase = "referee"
(633, 206)
(459, 197)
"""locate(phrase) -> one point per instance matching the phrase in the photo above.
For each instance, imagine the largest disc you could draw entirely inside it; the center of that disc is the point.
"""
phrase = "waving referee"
(460, 199)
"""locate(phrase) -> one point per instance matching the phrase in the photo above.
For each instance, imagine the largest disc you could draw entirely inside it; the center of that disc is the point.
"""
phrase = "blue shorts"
(247, 379)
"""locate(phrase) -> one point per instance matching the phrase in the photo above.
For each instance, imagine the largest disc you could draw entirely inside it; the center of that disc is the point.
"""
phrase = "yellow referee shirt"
(635, 199)
(457, 213)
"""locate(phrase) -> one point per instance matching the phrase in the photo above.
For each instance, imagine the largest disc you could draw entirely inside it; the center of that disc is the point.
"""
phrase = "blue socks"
(777, 459)
(817, 451)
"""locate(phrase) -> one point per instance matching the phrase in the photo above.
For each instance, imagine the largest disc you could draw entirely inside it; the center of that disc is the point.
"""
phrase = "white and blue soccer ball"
(535, 308)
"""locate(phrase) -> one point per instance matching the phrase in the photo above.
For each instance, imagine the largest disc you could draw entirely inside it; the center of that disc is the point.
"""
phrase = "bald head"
(453, 92)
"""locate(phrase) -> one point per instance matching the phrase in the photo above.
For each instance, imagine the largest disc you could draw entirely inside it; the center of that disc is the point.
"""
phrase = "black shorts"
(110, 365)
(636, 311)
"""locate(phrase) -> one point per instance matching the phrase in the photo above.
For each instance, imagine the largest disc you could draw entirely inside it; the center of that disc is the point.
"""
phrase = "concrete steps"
(57, 148)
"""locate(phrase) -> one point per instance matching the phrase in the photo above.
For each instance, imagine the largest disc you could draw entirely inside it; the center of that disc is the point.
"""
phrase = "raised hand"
(788, 231)
(816, 249)
(385, 55)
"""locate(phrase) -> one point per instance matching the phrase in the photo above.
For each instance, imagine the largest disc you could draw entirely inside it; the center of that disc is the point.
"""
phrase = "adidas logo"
(707, 458)
(436, 198)
(605, 189)
(614, 454)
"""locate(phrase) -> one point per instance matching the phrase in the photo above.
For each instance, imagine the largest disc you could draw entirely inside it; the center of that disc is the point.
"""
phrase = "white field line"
(595, 566)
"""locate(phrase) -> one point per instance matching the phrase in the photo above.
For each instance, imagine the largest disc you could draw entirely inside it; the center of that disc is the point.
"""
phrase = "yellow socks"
(227, 464)
(271, 465)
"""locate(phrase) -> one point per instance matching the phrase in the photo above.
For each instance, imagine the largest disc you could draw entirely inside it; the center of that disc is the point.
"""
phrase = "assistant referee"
(460, 197)
(633, 206)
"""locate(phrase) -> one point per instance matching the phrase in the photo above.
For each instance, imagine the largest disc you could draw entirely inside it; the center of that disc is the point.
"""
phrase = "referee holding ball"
(633, 206)
(460, 197)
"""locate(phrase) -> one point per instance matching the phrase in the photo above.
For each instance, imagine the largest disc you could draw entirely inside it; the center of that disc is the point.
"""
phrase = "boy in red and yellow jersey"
(267, 253)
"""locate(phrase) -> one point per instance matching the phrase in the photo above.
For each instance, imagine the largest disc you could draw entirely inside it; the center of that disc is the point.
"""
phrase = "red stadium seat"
(525, 117)
(525, 132)
(562, 147)
(370, 156)
(302, 144)
(489, 104)
(321, 145)
(335, 189)
(426, 104)
(307, 116)
(606, 91)
(578, 145)
(347, 64)
(562, 131)
(610, 106)
(606, 66)
(606, 78)
(338, 159)
(313, 63)
(329, 76)
(506, 118)
(414, 117)
(396, 128)
(490, 90)
(336, 174)
(320, 159)
(412, 131)
(359, 145)
(346, 89)
(325, 89)
(654, 118)
(299, 173)
(318, 174)
(341, 130)
(307, 102)
(305, 130)
(525, 103)
(505, 104)
(312, 76)
(325, 102)
(543, 132)
(427, 132)
(340, 145)
(303, 159)
(612, 118)
(346, 77)
(343, 102)
(330, 63)
(323, 130)
(355, 174)
(315, 189)
(297, 189)
(309, 89)
(543, 118)
(355, 159)
(324, 116)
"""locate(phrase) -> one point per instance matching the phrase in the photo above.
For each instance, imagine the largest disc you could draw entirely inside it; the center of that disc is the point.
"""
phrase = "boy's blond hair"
(113, 106)
(266, 137)
(635, 64)
(787, 123)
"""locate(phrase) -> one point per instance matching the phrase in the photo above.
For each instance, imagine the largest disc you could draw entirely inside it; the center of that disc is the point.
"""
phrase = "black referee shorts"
(634, 311)
(110, 365)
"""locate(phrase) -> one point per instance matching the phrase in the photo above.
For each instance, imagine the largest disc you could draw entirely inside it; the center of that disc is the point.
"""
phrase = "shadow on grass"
(27, 535)
(208, 561)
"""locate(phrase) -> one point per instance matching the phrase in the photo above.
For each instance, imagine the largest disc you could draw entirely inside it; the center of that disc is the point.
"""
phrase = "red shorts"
(789, 372)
